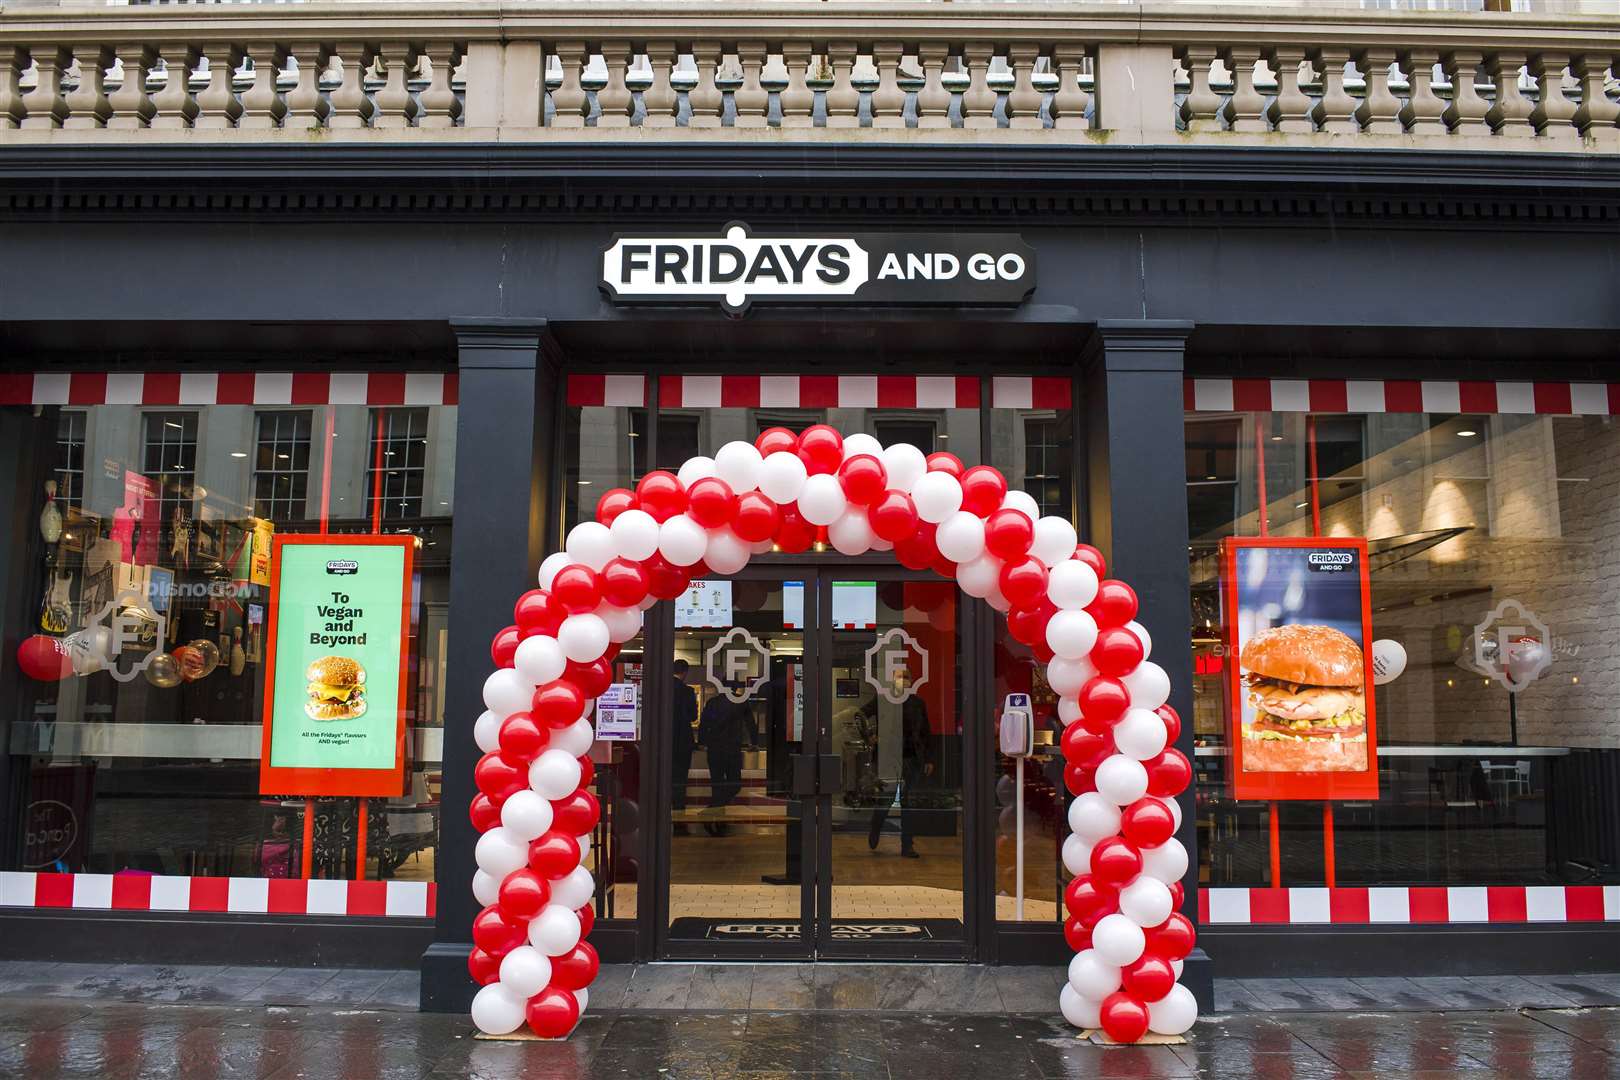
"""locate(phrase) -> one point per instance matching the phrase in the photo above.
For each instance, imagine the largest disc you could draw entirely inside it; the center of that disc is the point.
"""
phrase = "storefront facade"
(1218, 342)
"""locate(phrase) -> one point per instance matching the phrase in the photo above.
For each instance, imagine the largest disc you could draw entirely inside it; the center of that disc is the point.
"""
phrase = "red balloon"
(661, 495)
(552, 1013)
(1178, 895)
(1077, 934)
(1149, 977)
(1027, 625)
(558, 703)
(983, 488)
(615, 501)
(587, 919)
(538, 612)
(1147, 823)
(665, 580)
(483, 967)
(1085, 748)
(863, 479)
(1115, 604)
(587, 772)
(1042, 651)
(492, 932)
(484, 813)
(522, 894)
(1115, 860)
(776, 440)
(1172, 939)
(1008, 534)
(497, 776)
(942, 461)
(757, 517)
(553, 854)
(1092, 558)
(710, 502)
(1079, 779)
(1023, 581)
(894, 516)
(1169, 773)
(1117, 652)
(623, 583)
(822, 449)
(916, 550)
(793, 533)
(592, 677)
(504, 647)
(1103, 701)
(577, 588)
(522, 738)
(1088, 899)
(576, 968)
(576, 813)
(1172, 722)
(1124, 1018)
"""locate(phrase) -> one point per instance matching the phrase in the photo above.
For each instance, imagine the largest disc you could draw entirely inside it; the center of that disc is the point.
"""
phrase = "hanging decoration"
(535, 814)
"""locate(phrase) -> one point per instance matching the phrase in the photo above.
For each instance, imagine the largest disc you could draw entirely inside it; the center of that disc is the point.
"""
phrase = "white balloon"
(584, 842)
(738, 464)
(1068, 710)
(1148, 684)
(1055, 540)
(1146, 901)
(1023, 502)
(1140, 734)
(1173, 1014)
(583, 996)
(555, 930)
(822, 500)
(960, 537)
(1388, 660)
(726, 552)
(1071, 585)
(1076, 855)
(555, 773)
(760, 547)
(937, 495)
(500, 852)
(695, 469)
(782, 476)
(525, 971)
(575, 739)
(1066, 675)
(583, 637)
(622, 623)
(1167, 862)
(1118, 940)
(486, 888)
(1175, 811)
(1122, 780)
(996, 600)
(496, 1010)
(1178, 966)
(540, 659)
(635, 535)
(682, 541)
(1091, 975)
(526, 814)
(851, 534)
(905, 465)
(1143, 636)
(1093, 818)
(553, 563)
(1083, 1013)
(590, 543)
(1071, 634)
(979, 576)
(506, 691)
(861, 443)
(487, 731)
(574, 890)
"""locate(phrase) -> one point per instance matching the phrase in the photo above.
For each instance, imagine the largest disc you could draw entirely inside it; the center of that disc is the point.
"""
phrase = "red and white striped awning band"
(246, 896)
(376, 388)
(1404, 905)
(1402, 396)
(821, 391)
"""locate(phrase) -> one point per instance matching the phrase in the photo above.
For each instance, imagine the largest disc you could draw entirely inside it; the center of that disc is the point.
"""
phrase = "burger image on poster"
(1306, 687)
(337, 689)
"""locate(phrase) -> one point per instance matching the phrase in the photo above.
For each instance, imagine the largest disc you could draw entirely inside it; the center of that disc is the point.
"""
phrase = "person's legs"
(908, 790)
(680, 769)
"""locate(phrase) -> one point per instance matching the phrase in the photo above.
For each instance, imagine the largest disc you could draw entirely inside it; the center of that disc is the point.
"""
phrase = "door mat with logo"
(842, 929)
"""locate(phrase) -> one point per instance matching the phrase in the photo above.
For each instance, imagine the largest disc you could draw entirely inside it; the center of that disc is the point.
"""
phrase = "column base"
(1198, 975)
(446, 985)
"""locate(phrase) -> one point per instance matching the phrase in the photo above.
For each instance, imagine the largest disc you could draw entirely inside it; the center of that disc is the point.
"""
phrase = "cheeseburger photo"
(1306, 687)
(337, 689)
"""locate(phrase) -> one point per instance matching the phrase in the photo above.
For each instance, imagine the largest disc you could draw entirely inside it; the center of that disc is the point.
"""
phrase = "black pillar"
(1137, 496)
(502, 497)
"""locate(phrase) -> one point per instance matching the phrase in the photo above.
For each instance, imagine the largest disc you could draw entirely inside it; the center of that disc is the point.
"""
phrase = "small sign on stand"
(618, 716)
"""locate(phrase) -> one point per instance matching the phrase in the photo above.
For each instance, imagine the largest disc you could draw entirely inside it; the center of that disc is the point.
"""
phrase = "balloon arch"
(783, 492)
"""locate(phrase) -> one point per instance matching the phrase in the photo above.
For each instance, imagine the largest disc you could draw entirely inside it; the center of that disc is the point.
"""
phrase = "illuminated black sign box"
(737, 268)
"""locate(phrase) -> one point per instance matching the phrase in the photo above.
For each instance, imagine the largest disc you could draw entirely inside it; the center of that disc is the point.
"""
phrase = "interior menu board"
(1298, 618)
(335, 669)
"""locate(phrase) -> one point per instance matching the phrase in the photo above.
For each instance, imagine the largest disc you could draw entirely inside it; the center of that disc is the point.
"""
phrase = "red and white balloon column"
(786, 491)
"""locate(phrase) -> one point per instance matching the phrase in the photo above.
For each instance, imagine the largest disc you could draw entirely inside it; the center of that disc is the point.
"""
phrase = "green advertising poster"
(338, 620)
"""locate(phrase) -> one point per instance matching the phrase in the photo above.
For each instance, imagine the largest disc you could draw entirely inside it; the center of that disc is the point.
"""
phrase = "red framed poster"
(1301, 719)
(337, 666)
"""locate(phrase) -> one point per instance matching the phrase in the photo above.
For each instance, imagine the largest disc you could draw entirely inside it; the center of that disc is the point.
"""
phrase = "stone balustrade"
(1155, 73)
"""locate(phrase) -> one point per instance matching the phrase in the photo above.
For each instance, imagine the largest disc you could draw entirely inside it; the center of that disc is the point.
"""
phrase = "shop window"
(397, 474)
(70, 459)
(281, 465)
(604, 445)
(169, 460)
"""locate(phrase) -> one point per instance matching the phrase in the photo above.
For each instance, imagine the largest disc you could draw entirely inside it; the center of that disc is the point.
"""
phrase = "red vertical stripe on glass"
(1553, 398)
(587, 390)
(87, 388)
(1583, 903)
(1329, 395)
(53, 890)
(1403, 395)
(818, 392)
(1188, 402)
(967, 392)
(1050, 392)
(1505, 903)
(669, 391)
(432, 900)
(1349, 906)
(385, 388)
(368, 898)
(1428, 905)
(1477, 396)
(1268, 905)
(896, 392)
(236, 388)
(1203, 906)
(1251, 395)
(739, 391)
(452, 389)
(311, 388)
(287, 896)
(16, 389)
(210, 894)
(160, 388)
(132, 892)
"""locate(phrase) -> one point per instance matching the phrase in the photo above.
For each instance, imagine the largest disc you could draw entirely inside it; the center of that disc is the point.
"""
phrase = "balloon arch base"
(786, 492)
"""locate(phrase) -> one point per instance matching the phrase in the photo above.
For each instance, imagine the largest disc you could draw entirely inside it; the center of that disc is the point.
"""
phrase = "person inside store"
(685, 714)
(723, 730)
(916, 769)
